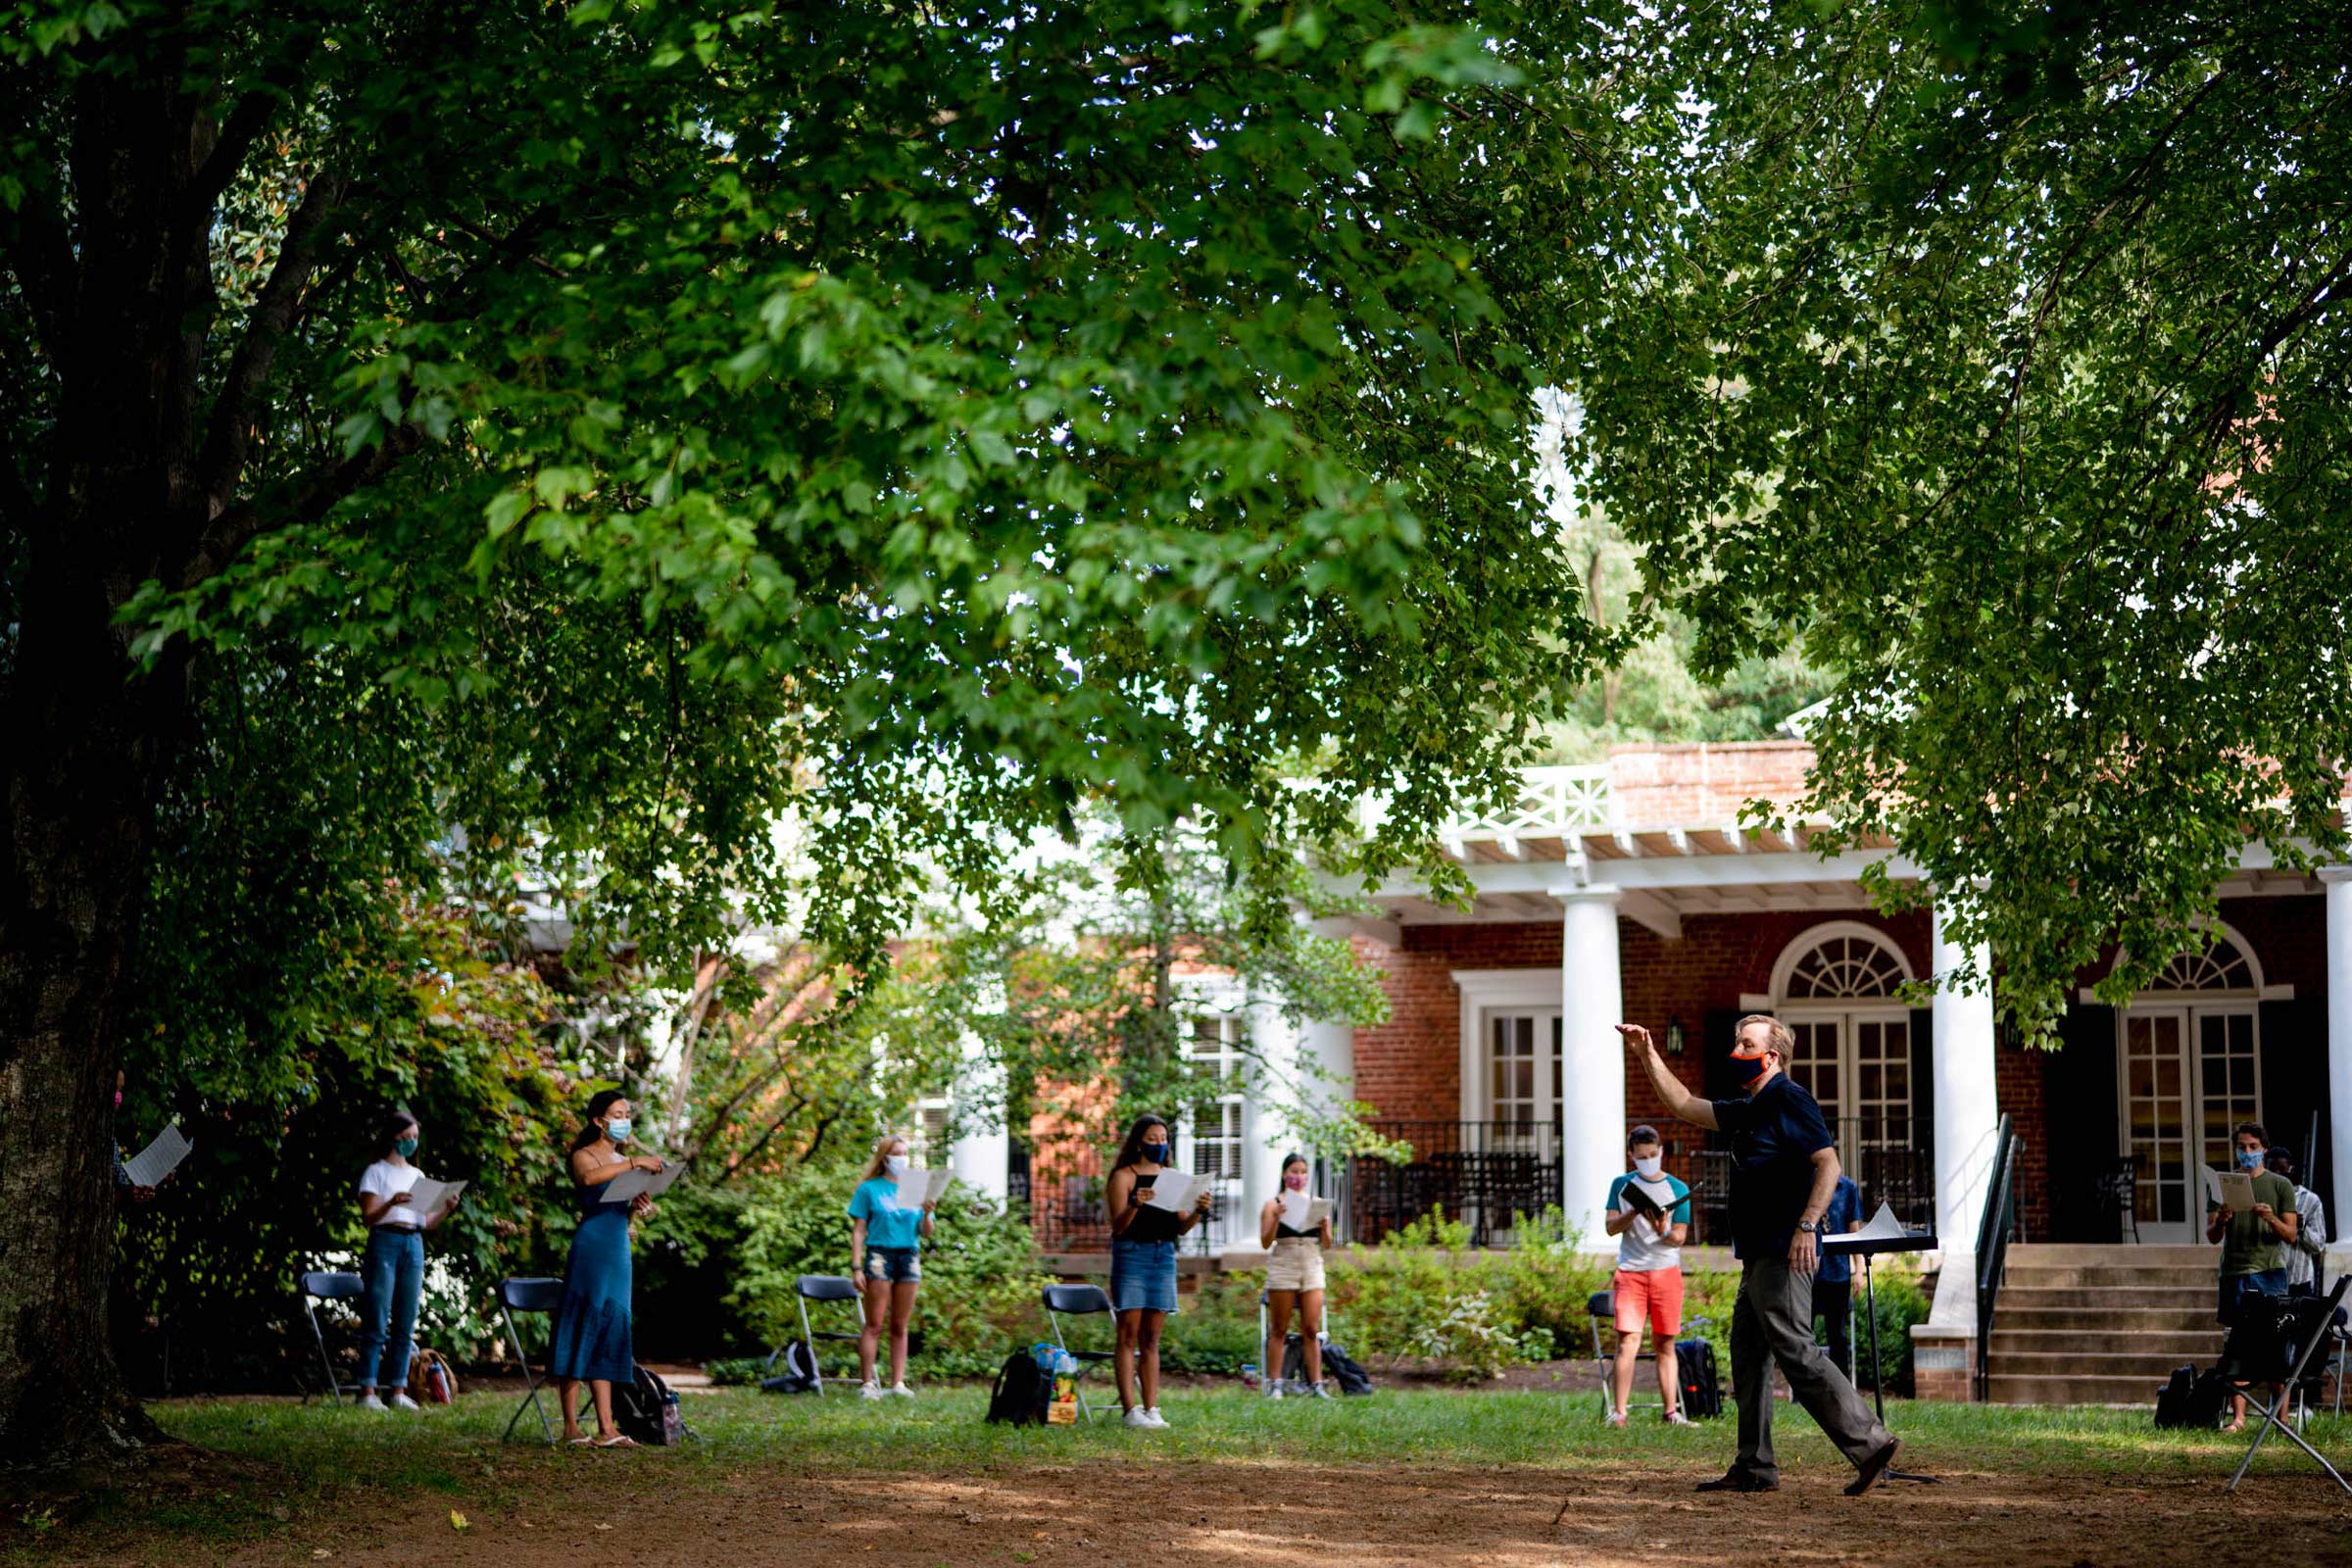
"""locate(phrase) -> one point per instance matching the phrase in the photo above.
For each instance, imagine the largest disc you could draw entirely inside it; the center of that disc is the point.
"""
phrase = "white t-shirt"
(381, 1180)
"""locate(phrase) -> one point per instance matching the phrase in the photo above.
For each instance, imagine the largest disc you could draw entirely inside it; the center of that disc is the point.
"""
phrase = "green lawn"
(272, 1461)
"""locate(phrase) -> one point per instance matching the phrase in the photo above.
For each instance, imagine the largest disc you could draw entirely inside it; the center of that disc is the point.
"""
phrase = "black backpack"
(1702, 1384)
(799, 1375)
(2192, 1399)
(1023, 1391)
(1342, 1369)
(646, 1409)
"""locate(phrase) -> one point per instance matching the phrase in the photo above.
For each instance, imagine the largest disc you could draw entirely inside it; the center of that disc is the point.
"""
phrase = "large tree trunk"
(89, 746)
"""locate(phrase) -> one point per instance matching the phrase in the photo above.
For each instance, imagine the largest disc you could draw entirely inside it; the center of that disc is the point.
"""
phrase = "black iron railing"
(1993, 1249)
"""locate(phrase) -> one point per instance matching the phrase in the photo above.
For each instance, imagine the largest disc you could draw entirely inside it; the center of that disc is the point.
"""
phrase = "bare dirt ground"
(617, 1507)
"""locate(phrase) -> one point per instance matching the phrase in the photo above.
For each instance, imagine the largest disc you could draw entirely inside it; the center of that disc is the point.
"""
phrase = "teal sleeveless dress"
(594, 1341)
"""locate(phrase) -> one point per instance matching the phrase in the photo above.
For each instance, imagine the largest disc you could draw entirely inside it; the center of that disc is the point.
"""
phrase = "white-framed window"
(1838, 988)
(2189, 1070)
(1216, 1043)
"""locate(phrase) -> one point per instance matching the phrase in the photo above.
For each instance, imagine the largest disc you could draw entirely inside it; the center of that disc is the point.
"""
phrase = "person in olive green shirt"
(2253, 1243)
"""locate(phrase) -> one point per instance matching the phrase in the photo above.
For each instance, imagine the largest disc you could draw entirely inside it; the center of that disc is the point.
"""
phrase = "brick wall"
(1703, 785)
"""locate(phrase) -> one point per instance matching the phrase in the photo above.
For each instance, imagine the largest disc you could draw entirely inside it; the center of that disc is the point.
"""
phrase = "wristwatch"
(1809, 1226)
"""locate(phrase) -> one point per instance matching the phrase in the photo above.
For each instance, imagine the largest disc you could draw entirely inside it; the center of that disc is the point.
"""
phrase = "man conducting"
(1784, 1171)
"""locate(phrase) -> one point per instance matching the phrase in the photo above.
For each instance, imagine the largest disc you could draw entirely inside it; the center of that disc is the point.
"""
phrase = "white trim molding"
(1813, 936)
(1486, 990)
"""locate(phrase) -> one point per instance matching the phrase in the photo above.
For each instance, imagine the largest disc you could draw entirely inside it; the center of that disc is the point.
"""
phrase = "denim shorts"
(894, 1265)
(1142, 1276)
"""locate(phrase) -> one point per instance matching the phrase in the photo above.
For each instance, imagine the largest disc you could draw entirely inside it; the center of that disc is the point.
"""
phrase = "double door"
(2186, 1075)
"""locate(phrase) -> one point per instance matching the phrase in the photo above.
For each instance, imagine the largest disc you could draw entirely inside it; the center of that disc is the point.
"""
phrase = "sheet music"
(920, 1187)
(150, 1165)
(1304, 1213)
(1882, 1227)
(1177, 1197)
(428, 1197)
(2234, 1190)
(630, 1184)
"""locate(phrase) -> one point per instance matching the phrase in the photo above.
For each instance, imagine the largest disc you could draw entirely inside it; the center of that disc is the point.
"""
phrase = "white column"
(982, 1146)
(1267, 1133)
(1592, 1064)
(1968, 1113)
(2338, 881)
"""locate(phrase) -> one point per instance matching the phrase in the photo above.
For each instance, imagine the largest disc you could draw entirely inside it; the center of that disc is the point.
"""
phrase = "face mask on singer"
(896, 1164)
(1649, 1167)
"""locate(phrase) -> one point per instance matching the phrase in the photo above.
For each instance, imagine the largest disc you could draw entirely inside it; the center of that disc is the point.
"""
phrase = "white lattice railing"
(1552, 802)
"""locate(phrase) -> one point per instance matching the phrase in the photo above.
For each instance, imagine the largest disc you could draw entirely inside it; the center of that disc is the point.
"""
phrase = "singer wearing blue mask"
(1143, 1264)
(594, 1341)
(393, 1266)
(2254, 1243)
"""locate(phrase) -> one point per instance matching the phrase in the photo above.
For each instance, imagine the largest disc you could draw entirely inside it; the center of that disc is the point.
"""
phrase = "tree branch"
(229, 440)
(231, 531)
(247, 119)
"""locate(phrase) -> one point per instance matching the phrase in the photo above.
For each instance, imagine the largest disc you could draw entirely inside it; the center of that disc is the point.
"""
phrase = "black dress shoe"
(1873, 1469)
(1737, 1481)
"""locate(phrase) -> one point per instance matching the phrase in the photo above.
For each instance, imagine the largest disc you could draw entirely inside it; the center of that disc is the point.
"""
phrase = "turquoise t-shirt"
(886, 1224)
(1641, 1250)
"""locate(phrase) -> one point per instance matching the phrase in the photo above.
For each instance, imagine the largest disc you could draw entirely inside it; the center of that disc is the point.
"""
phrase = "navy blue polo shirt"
(1775, 1131)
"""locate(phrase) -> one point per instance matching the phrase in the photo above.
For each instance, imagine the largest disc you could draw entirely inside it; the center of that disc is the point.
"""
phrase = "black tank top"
(1283, 1231)
(1149, 1224)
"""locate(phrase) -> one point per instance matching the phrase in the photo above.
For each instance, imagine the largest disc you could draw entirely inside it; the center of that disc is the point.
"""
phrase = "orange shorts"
(1652, 1293)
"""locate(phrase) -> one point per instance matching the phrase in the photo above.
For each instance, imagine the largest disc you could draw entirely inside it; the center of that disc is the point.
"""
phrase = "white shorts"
(1295, 1264)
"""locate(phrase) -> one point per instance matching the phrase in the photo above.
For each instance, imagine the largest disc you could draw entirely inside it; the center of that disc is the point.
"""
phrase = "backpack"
(2192, 1400)
(1702, 1384)
(799, 1375)
(431, 1381)
(1023, 1391)
(1342, 1369)
(2172, 1400)
(646, 1409)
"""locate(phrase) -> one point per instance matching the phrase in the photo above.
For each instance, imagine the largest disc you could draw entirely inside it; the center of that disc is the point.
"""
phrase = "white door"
(1856, 1063)
(2187, 1077)
(1522, 1077)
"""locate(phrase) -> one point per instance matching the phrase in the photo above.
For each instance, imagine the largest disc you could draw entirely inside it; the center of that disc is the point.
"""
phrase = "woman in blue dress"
(592, 1343)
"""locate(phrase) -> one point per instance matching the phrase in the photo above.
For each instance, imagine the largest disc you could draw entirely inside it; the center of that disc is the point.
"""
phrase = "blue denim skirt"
(1142, 1276)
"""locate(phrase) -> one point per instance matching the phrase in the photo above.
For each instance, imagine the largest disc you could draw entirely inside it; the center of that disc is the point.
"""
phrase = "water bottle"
(1248, 1374)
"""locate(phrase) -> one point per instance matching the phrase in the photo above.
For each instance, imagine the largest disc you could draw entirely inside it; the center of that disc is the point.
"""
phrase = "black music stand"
(1867, 1249)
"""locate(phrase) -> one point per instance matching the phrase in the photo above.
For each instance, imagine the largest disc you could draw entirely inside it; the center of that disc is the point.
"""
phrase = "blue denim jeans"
(394, 1273)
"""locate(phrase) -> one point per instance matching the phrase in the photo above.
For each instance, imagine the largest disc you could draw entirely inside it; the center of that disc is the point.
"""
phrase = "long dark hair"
(601, 1100)
(1132, 1150)
(399, 1124)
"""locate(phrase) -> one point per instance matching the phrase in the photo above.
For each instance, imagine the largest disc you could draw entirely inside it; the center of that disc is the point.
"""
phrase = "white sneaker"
(1274, 1390)
(369, 1402)
(401, 1401)
(901, 1390)
(1676, 1418)
(1316, 1390)
(869, 1390)
(1616, 1418)
(1157, 1421)
(1140, 1418)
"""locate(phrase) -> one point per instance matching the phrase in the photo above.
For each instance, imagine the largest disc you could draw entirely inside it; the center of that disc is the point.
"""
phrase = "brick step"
(2202, 1344)
(2111, 1297)
(2107, 1276)
(2082, 1320)
(2014, 1390)
(2063, 1364)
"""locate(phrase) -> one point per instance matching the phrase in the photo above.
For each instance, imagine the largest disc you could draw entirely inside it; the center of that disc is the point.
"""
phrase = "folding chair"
(2314, 1326)
(1294, 1343)
(1081, 1300)
(316, 1287)
(823, 1287)
(1602, 1308)
(528, 1295)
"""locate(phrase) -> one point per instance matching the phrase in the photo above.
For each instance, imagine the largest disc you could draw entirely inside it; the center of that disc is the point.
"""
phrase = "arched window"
(1841, 967)
(2188, 1065)
(2221, 964)
(1838, 988)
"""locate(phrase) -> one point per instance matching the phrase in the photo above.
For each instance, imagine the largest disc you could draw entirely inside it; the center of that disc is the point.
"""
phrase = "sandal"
(619, 1440)
(580, 1442)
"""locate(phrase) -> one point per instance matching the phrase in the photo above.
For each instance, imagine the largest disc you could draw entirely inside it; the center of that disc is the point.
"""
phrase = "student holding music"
(1142, 1262)
(393, 1266)
(887, 1227)
(1650, 1214)
(1294, 1278)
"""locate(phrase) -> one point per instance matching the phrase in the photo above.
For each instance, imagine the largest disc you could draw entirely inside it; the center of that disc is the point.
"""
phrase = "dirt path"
(1325, 1517)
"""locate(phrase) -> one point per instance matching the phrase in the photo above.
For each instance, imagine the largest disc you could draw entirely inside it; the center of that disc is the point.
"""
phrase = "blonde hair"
(1777, 1037)
(876, 1166)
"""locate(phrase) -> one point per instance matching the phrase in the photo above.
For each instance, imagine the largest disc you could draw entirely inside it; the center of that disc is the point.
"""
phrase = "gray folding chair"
(822, 1288)
(1079, 1300)
(320, 1286)
(2316, 1328)
(1601, 1308)
(528, 1296)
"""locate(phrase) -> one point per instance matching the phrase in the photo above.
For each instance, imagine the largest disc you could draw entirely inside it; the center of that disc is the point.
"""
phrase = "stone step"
(2081, 1320)
(2111, 1297)
(2064, 1364)
(2106, 1276)
(2115, 1255)
(2200, 1345)
(2015, 1389)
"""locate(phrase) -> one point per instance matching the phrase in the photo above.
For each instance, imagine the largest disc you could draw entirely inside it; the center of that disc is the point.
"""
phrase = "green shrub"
(1903, 1302)
(1217, 1330)
(1424, 1293)
(731, 1371)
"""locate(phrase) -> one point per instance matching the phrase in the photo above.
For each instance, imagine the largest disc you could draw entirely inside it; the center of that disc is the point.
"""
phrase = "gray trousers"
(1773, 1321)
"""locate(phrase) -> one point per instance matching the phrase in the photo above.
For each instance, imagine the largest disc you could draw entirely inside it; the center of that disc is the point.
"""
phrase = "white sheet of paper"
(920, 1187)
(428, 1197)
(2234, 1190)
(1302, 1212)
(159, 1159)
(631, 1182)
(1882, 1227)
(1176, 1194)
